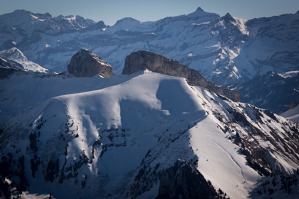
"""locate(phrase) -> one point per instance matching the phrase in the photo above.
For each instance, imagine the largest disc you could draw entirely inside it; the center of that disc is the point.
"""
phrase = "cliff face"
(142, 60)
(87, 64)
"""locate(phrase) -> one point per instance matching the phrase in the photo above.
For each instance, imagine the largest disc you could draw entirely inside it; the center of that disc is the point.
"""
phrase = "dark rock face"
(142, 60)
(183, 181)
(87, 64)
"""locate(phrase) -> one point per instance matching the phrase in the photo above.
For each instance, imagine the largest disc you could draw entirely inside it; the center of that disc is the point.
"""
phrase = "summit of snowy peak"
(199, 9)
(30, 23)
(126, 24)
(25, 15)
(76, 22)
(16, 55)
(199, 12)
(228, 18)
(127, 21)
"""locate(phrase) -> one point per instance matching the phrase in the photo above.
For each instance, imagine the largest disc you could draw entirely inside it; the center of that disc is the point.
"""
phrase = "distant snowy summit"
(17, 56)
(30, 22)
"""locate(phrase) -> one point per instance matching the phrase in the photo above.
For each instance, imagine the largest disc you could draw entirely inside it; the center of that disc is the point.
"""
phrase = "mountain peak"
(199, 12)
(199, 9)
(127, 20)
(228, 17)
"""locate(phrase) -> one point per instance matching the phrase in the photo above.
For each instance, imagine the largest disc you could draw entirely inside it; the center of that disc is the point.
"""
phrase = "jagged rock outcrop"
(142, 60)
(87, 64)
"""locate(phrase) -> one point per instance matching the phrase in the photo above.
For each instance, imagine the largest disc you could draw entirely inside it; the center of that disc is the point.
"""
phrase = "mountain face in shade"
(275, 91)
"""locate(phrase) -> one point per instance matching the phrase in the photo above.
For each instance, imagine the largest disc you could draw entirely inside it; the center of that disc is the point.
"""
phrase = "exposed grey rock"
(142, 60)
(87, 64)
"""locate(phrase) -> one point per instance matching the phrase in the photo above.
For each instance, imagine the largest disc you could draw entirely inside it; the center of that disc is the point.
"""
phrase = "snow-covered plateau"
(144, 135)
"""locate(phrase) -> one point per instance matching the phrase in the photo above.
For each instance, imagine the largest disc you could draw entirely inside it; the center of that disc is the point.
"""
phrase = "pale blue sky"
(110, 11)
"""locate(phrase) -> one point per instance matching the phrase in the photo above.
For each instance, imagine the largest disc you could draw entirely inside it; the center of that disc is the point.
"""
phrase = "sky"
(110, 11)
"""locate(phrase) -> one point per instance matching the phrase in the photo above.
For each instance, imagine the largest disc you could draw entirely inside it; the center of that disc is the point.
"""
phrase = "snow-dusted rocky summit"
(87, 64)
(14, 54)
(143, 135)
(142, 60)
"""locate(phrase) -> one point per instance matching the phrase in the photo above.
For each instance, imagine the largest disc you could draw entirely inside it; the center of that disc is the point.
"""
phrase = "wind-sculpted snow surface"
(125, 136)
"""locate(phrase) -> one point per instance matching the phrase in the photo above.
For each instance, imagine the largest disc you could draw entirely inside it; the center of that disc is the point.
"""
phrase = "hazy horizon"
(111, 11)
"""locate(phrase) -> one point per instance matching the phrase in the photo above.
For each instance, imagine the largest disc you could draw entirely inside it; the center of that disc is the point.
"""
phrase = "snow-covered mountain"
(28, 24)
(16, 55)
(128, 135)
(149, 135)
(226, 50)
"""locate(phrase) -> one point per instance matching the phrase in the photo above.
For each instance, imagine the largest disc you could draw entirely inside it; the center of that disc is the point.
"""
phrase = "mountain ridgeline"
(226, 50)
(143, 60)
(222, 48)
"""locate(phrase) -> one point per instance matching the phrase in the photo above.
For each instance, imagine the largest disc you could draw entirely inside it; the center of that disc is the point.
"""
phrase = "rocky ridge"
(87, 64)
(142, 60)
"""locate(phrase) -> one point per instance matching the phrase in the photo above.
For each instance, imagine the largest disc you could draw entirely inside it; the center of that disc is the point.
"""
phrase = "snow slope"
(16, 55)
(292, 114)
(116, 137)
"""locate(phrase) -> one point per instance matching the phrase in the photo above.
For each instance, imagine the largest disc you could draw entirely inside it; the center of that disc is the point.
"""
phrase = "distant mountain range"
(226, 50)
